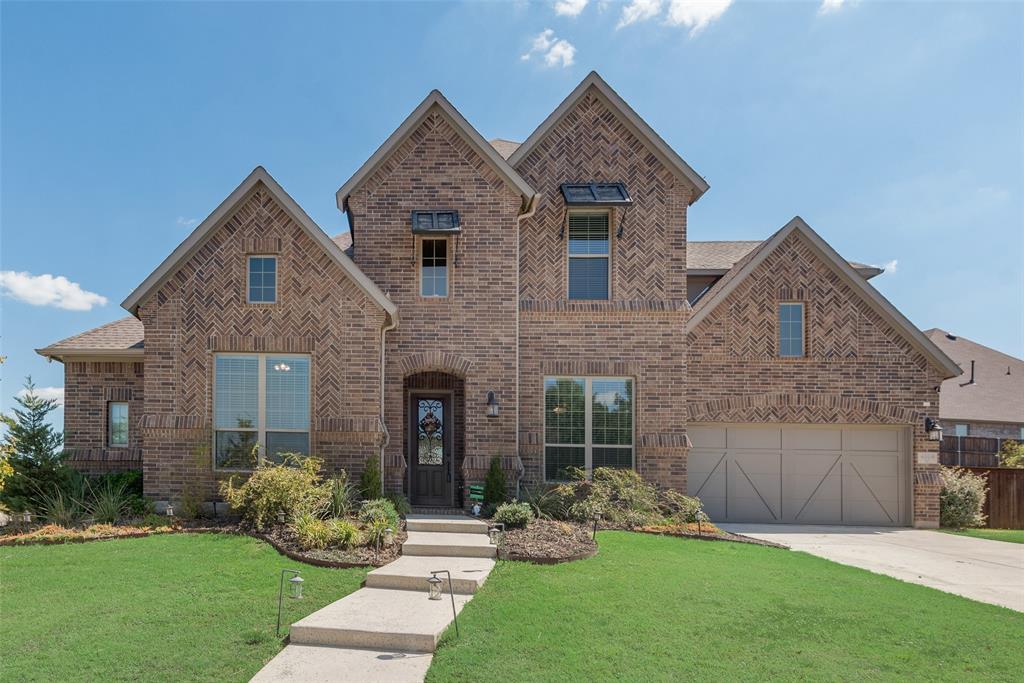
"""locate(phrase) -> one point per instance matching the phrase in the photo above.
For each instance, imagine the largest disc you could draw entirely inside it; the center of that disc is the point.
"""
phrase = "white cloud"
(555, 51)
(830, 6)
(48, 290)
(570, 8)
(695, 14)
(639, 10)
(186, 222)
(890, 266)
(46, 393)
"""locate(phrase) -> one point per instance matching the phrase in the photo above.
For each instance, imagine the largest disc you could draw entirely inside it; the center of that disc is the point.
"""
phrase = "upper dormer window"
(791, 330)
(589, 256)
(434, 267)
(262, 279)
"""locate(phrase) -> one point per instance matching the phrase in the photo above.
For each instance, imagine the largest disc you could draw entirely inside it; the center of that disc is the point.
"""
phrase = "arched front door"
(430, 448)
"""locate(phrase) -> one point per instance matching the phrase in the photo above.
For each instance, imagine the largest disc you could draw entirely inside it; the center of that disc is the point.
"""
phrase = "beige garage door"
(800, 474)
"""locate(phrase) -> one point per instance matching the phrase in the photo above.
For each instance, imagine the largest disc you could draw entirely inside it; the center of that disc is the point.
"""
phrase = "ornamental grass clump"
(962, 498)
(293, 488)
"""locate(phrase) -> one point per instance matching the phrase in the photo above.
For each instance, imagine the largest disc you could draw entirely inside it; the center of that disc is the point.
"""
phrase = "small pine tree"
(370, 482)
(495, 488)
(34, 449)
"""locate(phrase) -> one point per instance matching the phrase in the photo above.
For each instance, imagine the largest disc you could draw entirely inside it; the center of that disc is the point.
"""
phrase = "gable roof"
(718, 256)
(119, 338)
(226, 208)
(666, 155)
(435, 100)
(871, 296)
(997, 394)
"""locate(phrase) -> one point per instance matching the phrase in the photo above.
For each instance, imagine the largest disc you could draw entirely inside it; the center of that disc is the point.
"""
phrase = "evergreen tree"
(34, 449)
(370, 481)
(495, 487)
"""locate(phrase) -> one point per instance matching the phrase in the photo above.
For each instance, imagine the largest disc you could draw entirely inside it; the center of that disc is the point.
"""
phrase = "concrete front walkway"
(979, 569)
(388, 630)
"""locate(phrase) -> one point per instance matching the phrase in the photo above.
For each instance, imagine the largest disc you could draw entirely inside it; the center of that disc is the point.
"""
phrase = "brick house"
(529, 301)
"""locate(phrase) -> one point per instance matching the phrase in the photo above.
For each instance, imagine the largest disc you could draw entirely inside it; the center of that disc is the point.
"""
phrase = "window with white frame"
(434, 267)
(960, 430)
(260, 408)
(588, 423)
(117, 421)
(791, 330)
(589, 256)
(262, 279)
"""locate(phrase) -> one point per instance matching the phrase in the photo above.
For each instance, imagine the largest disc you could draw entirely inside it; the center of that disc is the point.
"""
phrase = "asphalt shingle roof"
(995, 395)
(120, 335)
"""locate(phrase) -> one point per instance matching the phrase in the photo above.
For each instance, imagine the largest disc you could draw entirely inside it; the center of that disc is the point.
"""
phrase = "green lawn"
(651, 608)
(182, 607)
(1008, 535)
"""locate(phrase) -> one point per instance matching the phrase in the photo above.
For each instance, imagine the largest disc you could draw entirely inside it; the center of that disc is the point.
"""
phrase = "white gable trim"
(870, 295)
(226, 208)
(666, 155)
(468, 133)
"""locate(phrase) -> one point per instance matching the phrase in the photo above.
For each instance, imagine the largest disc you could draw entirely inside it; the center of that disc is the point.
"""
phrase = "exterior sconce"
(492, 404)
(933, 428)
(294, 592)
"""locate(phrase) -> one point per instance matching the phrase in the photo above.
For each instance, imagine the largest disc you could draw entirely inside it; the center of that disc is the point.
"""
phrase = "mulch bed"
(547, 542)
(283, 540)
(706, 532)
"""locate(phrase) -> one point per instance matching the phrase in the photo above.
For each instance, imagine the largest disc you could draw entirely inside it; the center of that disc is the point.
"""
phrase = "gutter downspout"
(392, 324)
(531, 209)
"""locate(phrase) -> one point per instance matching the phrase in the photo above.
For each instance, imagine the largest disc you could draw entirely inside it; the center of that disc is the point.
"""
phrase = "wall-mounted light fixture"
(492, 404)
(933, 428)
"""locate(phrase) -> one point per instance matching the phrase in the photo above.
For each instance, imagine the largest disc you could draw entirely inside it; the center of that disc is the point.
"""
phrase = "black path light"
(434, 592)
(294, 592)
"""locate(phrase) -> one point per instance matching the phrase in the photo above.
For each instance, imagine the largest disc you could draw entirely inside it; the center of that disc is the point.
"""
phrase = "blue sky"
(895, 129)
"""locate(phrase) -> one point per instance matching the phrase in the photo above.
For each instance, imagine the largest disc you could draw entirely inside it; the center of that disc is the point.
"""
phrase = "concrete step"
(410, 572)
(379, 619)
(441, 544)
(313, 664)
(459, 524)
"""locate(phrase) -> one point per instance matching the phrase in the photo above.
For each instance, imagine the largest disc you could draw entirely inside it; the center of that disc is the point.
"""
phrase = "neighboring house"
(526, 301)
(983, 406)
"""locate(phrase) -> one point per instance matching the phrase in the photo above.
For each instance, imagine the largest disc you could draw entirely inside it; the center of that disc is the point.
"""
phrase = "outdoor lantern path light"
(294, 592)
(495, 532)
(597, 520)
(434, 592)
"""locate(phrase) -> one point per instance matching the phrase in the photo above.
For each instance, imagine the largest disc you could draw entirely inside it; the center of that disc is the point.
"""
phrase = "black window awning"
(596, 194)
(435, 222)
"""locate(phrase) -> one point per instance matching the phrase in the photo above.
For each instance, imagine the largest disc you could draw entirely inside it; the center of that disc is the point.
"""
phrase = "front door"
(430, 456)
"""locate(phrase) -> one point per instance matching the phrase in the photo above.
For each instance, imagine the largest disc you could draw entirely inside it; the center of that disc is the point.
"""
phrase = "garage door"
(800, 474)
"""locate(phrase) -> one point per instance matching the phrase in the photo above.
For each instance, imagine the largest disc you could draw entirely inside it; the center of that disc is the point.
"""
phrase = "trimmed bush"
(680, 509)
(961, 498)
(514, 515)
(400, 502)
(495, 485)
(370, 481)
(1011, 454)
(379, 510)
(292, 489)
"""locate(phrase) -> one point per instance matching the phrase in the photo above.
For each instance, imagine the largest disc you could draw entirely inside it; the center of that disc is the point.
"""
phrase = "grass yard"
(182, 607)
(1008, 535)
(651, 608)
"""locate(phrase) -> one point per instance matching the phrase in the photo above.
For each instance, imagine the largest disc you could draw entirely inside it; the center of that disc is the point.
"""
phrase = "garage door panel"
(800, 474)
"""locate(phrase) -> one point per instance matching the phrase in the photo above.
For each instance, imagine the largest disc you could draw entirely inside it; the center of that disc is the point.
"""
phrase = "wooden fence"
(969, 451)
(1004, 505)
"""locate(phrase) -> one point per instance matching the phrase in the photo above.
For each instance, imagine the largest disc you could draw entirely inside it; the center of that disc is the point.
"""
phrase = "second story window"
(589, 256)
(791, 330)
(434, 267)
(117, 432)
(262, 280)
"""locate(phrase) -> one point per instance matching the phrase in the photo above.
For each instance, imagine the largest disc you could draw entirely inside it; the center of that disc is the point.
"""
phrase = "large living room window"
(260, 408)
(791, 330)
(589, 255)
(588, 423)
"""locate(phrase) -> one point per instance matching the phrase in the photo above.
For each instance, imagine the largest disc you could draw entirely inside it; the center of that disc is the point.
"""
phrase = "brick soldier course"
(506, 323)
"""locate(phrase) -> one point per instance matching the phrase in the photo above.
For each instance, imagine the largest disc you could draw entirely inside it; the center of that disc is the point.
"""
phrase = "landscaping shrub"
(370, 481)
(1011, 454)
(107, 502)
(343, 532)
(548, 502)
(376, 532)
(621, 498)
(379, 509)
(155, 521)
(294, 489)
(961, 498)
(514, 515)
(344, 496)
(400, 502)
(681, 509)
(312, 532)
(495, 485)
(60, 508)
(131, 484)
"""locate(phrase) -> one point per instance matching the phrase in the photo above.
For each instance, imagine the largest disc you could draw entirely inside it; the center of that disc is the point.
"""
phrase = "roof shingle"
(995, 395)
(121, 335)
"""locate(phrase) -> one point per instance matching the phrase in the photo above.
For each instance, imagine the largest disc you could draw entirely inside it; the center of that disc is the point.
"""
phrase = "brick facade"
(89, 388)
(201, 310)
(857, 368)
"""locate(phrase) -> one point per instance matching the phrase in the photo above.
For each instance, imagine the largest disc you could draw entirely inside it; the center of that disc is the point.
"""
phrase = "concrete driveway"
(988, 571)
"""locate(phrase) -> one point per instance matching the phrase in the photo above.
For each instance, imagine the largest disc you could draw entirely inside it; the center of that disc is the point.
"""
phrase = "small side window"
(791, 330)
(434, 268)
(589, 256)
(117, 417)
(262, 279)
